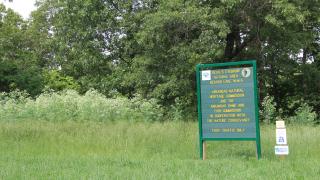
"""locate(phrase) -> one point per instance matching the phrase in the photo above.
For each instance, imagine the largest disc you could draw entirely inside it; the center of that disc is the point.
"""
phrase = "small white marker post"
(282, 148)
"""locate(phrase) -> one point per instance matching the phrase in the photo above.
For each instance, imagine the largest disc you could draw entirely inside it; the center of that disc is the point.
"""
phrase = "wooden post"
(204, 149)
(257, 151)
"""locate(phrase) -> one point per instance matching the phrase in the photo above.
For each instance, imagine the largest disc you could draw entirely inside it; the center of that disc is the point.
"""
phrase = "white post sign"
(281, 150)
(281, 136)
(281, 139)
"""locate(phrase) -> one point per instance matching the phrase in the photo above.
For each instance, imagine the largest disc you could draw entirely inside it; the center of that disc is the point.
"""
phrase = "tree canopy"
(150, 47)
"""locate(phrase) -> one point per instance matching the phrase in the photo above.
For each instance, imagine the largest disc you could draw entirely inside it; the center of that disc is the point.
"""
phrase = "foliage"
(69, 105)
(15, 96)
(18, 67)
(310, 86)
(78, 33)
(151, 47)
(304, 115)
(268, 112)
(54, 80)
(175, 36)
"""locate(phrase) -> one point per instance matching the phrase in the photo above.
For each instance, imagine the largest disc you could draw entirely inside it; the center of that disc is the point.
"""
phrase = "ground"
(122, 150)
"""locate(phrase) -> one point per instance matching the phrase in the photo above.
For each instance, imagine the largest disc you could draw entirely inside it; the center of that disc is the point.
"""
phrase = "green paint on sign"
(227, 102)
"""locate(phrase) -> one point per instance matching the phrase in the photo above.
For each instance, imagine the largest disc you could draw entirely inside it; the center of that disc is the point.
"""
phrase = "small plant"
(304, 115)
(15, 95)
(268, 112)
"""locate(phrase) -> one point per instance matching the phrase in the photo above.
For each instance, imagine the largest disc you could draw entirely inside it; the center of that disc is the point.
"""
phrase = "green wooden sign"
(228, 103)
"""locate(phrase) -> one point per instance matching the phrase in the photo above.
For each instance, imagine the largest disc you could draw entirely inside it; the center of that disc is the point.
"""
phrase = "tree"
(151, 47)
(177, 35)
(18, 67)
(80, 35)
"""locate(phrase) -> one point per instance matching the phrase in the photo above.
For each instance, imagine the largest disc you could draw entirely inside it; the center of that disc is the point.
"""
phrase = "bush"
(16, 96)
(69, 105)
(304, 115)
(268, 111)
(54, 80)
(181, 110)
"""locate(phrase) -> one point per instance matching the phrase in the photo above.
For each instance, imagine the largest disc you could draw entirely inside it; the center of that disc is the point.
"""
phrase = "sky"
(23, 7)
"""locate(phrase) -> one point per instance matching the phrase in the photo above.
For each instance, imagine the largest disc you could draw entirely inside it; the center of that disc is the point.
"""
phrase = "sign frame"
(251, 63)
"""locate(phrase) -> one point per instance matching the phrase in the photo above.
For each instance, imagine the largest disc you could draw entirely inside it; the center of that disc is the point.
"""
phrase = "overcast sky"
(23, 7)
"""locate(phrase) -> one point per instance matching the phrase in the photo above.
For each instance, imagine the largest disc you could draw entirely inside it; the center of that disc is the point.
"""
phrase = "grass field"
(91, 150)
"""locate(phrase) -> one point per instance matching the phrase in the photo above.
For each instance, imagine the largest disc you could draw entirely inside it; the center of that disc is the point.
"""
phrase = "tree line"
(150, 48)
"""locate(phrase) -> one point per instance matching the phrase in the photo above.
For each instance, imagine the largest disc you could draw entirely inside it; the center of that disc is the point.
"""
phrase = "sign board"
(227, 102)
(281, 150)
(281, 136)
(280, 124)
(281, 139)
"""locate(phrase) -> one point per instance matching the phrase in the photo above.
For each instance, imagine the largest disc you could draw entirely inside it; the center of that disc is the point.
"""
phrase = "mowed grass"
(170, 150)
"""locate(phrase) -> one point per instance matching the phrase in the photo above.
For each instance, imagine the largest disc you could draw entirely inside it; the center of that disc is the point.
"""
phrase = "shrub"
(54, 80)
(268, 111)
(181, 110)
(69, 105)
(304, 115)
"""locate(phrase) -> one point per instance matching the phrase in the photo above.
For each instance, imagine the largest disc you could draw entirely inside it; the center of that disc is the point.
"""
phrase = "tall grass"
(169, 150)
(70, 136)
(69, 105)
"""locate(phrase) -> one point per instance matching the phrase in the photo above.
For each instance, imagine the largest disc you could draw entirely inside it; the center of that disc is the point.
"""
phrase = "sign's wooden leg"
(204, 149)
(257, 151)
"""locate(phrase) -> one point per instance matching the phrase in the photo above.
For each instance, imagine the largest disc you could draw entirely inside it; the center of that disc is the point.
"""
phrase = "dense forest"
(150, 48)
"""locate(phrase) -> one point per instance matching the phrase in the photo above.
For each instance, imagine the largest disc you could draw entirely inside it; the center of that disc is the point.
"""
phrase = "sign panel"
(227, 102)
(281, 136)
(280, 124)
(281, 150)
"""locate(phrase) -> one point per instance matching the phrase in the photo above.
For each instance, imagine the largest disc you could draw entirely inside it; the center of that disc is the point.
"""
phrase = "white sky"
(23, 7)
